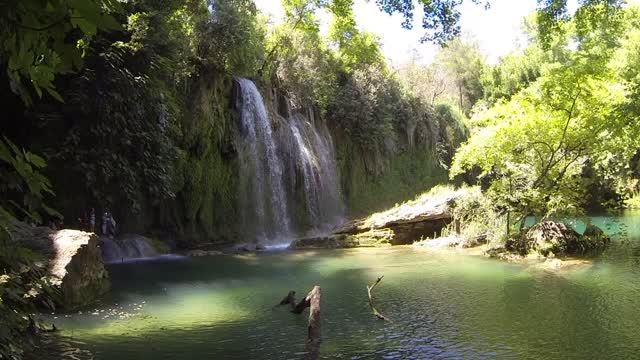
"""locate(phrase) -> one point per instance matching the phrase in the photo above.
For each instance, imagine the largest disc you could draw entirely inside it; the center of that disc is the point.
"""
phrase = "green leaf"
(88, 27)
(87, 9)
(36, 160)
(54, 94)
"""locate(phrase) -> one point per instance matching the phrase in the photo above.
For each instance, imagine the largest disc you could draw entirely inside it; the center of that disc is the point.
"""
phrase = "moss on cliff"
(204, 208)
(371, 184)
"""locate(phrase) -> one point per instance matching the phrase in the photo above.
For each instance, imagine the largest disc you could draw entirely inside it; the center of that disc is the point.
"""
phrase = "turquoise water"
(441, 306)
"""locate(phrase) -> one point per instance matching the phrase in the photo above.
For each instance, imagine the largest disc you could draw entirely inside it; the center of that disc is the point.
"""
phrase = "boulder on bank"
(550, 238)
(77, 268)
(75, 264)
(596, 238)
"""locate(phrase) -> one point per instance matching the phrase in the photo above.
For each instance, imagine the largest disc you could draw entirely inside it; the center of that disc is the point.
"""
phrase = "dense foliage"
(568, 138)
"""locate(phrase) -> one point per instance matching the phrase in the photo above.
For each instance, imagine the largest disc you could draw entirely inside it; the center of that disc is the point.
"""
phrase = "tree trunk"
(311, 301)
(313, 329)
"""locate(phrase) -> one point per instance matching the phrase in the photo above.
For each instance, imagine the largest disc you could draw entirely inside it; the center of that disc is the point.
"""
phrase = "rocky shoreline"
(431, 222)
(423, 217)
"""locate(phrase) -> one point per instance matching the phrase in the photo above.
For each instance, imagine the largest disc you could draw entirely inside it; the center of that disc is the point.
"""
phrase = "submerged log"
(311, 301)
(373, 308)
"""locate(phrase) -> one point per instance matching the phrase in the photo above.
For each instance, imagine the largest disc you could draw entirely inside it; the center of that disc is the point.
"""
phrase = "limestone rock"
(76, 267)
(374, 238)
(325, 242)
(198, 253)
(425, 216)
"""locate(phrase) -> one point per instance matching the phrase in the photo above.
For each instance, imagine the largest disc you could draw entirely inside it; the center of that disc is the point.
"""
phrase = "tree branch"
(373, 308)
(273, 50)
(552, 161)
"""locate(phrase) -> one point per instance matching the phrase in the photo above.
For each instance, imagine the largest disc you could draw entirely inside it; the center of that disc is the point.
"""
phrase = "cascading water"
(262, 195)
(126, 248)
(288, 174)
(315, 158)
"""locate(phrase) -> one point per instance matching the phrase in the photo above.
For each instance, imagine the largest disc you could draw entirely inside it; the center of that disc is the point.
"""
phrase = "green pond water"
(441, 306)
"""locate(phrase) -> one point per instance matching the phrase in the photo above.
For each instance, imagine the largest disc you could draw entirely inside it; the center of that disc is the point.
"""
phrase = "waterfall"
(126, 248)
(264, 211)
(289, 181)
(315, 157)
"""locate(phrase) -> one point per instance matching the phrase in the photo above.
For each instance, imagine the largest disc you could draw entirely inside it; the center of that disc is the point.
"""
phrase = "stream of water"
(287, 171)
(441, 306)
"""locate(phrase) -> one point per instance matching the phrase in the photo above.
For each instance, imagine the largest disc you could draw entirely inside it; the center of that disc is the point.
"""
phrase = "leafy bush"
(23, 279)
(476, 219)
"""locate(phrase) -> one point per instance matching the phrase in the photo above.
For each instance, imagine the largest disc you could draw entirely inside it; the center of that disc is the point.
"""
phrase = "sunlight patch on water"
(182, 307)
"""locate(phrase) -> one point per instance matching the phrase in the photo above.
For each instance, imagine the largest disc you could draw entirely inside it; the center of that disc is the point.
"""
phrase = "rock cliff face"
(76, 268)
(423, 217)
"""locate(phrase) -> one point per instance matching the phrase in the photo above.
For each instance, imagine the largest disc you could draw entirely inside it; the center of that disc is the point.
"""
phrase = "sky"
(497, 30)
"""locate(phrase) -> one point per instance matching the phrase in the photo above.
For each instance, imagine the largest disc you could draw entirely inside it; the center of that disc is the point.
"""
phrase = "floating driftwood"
(311, 301)
(373, 308)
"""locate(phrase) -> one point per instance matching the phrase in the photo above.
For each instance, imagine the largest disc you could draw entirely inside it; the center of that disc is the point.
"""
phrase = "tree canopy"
(542, 149)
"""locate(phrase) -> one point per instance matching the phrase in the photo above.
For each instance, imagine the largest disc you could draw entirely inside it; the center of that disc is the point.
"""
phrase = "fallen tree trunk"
(373, 308)
(311, 301)
(289, 299)
(313, 329)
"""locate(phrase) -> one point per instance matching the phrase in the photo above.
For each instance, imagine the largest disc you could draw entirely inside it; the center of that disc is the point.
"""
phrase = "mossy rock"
(374, 238)
(160, 246)
(595, 239)
(325, 242)
(550, 238)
